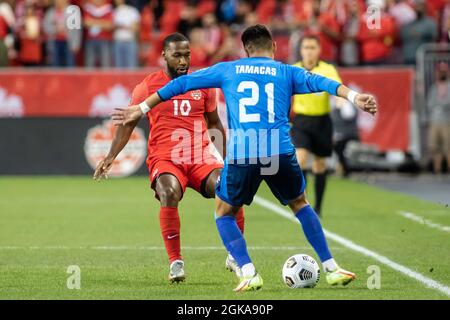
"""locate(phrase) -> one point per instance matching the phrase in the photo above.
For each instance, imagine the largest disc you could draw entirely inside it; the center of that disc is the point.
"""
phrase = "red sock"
(169, 221)
(240, 219)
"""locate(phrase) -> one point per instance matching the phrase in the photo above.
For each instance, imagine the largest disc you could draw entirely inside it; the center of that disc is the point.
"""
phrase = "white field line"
(422, 220)
(149, 248)
(360, 249)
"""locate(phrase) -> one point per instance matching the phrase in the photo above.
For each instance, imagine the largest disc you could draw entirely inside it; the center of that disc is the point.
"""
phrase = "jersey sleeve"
(140, 93)
(202, 79)
(306, 82)
(211, 100)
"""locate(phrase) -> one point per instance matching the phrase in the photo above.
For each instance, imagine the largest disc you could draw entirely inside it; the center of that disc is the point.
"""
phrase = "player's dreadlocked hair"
(173, 37)
(257, 37)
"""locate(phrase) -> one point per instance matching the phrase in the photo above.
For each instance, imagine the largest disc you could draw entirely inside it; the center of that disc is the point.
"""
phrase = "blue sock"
(314, 232)
(232, 239)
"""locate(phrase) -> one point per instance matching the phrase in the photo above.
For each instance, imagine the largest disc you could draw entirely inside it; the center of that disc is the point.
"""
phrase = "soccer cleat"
(232, 266)
(340, 276)
(176, 271)
(251, 283)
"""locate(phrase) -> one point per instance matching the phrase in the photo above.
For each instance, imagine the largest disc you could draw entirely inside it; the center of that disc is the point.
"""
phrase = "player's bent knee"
(225, 209)
(169, 196)
(209, 191)
(298, 203)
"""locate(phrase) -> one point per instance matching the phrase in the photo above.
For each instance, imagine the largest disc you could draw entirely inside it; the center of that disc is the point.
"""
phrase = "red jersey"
(3, 28)
(328, 45)
(177, 126)
(376, 43)
(102, 12)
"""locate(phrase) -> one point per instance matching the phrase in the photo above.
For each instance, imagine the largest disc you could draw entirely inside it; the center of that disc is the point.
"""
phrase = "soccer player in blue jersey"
(258, 93)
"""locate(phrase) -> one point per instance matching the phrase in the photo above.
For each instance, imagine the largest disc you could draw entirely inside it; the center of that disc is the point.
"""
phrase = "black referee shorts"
(314, 133)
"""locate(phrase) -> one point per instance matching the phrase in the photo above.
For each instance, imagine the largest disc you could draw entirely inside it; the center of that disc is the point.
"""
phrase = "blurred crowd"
(129, 33)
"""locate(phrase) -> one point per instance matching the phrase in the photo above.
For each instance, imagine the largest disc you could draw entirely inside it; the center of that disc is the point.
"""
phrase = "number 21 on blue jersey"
(253, 100)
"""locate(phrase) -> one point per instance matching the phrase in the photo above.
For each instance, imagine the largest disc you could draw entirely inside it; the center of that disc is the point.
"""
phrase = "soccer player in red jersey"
(180, 153)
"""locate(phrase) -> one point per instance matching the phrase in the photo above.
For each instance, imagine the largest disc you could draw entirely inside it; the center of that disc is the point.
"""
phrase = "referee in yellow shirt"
(312, 130)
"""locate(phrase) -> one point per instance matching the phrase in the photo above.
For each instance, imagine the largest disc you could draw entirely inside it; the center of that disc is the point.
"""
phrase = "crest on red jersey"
(196, 95)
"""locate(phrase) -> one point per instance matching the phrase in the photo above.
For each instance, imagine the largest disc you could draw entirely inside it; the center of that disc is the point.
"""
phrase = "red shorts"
(188, 175)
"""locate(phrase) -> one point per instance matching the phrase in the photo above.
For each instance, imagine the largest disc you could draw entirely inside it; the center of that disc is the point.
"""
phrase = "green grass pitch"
(111, 231)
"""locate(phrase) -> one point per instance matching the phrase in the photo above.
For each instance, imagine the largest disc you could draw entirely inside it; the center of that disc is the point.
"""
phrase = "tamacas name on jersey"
(256, 70)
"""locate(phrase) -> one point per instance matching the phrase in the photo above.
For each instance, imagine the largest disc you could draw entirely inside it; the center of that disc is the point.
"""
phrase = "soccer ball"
(301, 271)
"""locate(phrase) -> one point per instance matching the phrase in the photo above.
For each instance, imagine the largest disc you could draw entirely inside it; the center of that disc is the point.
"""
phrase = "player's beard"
(174, 73)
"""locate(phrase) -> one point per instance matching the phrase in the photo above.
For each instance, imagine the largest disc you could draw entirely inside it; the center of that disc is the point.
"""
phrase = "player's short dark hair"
(257, 37)
(173, 37)
(310, 37)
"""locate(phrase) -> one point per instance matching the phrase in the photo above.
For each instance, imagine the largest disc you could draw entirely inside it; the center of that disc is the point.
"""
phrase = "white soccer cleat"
(232, 266)
(176, 271)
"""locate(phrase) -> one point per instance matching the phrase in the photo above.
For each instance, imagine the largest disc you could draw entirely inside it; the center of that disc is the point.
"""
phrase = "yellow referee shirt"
(316, 104)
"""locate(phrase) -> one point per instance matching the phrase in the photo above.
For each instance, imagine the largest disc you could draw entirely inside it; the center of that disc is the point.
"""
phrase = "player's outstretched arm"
(125, 116)
(307, 82)
(366, 102)
(120, 140)
(205, 78)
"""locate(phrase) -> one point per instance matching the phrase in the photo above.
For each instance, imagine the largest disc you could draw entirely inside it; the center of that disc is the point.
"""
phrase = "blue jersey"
(258, 93)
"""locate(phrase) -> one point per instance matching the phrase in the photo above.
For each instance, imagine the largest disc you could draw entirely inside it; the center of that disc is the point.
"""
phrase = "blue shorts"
(239, 183)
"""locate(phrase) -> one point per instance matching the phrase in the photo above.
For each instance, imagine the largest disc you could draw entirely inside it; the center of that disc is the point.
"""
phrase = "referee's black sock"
(319, 186)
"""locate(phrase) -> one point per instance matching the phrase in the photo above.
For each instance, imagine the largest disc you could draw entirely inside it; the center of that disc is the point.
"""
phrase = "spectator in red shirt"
(3, 28)
(278, 14)
(228, 50)
(98, 21)
(170, 17)
(30, 35)
(199, 55)
(147, 49)
(206, 6)
(212, 34)
(325, 26)
(376, 37)
(434, 8)
(189, 19)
